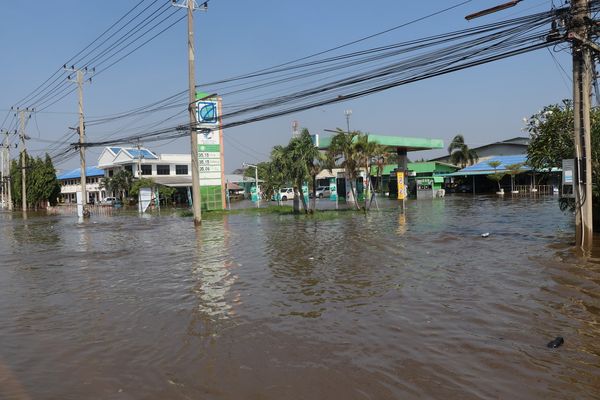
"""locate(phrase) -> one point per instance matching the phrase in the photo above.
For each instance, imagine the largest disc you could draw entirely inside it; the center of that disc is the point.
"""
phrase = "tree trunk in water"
(355, 198)
(296, 202)
(313, 204)
(304, 205)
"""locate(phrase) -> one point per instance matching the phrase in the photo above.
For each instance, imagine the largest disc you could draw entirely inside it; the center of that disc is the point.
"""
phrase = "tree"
(343, 152)
(460, 153)
(268, 174)
(513, 169)
(141, 183)
(366, 152)
(496, 177)
(301, 154)
(551, 133)
(42, 185)
(165, 192)
(119, 184)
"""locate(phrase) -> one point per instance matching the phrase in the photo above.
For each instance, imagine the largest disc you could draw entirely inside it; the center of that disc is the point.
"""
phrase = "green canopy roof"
(410, 144)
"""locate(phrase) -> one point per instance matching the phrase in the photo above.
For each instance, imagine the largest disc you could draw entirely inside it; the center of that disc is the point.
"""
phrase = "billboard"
(210, 153)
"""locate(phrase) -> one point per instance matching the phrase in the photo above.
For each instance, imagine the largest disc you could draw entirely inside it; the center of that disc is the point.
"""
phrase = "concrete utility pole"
(6, 197)
(6, 168)
(3, 169)
(23, 115)
(79, 80)
(191, 5)
(582, 66)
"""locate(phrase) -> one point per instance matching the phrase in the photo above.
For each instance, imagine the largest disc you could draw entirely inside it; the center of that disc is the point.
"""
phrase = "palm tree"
(460, 154)
(343, 152)
(366, 151)
(120, 183)
(299, 158)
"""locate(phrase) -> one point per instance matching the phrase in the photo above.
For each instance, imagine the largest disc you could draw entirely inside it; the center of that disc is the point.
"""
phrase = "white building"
(166, 169)
(70, 184)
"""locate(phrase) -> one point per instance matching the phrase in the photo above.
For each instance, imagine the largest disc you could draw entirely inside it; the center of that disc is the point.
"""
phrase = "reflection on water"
(389, 305)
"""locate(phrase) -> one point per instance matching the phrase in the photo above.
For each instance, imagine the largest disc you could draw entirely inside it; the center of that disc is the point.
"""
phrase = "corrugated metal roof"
(76, 173)
(483, 167)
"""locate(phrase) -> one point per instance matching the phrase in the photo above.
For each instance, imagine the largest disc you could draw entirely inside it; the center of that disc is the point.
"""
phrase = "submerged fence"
(71, 209)
(541, 189)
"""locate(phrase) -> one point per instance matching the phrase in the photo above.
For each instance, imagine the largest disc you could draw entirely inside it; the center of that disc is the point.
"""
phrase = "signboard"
(254, 193)
(568, 168)
(210, 153)
(207, 112)
(145, 198)
(401, 186)
(333, 189)
(568, 178)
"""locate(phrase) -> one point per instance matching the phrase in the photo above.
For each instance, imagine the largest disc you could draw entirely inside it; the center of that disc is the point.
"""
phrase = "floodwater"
(413, 305)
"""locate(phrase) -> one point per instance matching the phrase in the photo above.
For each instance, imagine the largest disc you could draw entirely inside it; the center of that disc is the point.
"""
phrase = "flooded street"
(341, 305)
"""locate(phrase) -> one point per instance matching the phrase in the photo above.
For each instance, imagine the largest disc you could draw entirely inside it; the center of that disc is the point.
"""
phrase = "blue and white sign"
(207, 112)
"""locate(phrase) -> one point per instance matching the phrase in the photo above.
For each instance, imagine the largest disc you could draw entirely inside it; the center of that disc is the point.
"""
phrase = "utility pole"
(79, 80)
(23, 115)
(6, 169)
(582, 65)
(196, 198)
(3, 170)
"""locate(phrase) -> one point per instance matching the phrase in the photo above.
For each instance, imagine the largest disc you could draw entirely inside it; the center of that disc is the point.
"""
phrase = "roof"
(483, 167)
(418, 167)
(233, 186)
(237, 178)
(173, 181)
(411, 144)
(76, 173)
(520, 143)
(141, 153)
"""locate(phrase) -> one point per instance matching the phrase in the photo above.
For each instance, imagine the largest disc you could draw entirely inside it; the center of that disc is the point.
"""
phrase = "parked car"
(323, 191)
(111, 201)
(284, 194)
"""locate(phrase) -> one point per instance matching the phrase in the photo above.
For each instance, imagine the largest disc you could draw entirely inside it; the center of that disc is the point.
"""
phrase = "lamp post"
(348, 113)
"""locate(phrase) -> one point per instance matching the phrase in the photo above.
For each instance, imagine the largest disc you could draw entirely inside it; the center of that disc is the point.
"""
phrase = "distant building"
(70, 184)
(508, 147)
(165, 169)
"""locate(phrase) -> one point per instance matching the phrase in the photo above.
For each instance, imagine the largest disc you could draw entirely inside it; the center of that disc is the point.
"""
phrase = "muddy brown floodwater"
(262, 306)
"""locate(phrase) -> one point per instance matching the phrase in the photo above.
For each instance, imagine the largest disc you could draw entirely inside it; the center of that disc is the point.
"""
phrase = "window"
(110, 173)
(181, 169)
(163, 169)
(146, 169)
(129, 168)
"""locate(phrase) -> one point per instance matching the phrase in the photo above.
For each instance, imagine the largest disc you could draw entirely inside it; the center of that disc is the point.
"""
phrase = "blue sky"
(485, 103)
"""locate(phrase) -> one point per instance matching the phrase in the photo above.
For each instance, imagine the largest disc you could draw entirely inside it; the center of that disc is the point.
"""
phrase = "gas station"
(401, 146)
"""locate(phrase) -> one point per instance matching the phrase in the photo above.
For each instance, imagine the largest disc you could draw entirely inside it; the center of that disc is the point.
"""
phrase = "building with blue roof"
(475, 175)
(70, 184)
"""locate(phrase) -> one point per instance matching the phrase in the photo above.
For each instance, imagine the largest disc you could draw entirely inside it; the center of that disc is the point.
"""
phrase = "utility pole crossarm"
(574, 37)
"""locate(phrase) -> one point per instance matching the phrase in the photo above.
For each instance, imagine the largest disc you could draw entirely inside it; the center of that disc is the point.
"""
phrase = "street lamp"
(348, 113)
(245, 165)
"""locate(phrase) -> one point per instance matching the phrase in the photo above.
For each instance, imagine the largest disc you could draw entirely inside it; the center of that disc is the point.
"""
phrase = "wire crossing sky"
(270, 70)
